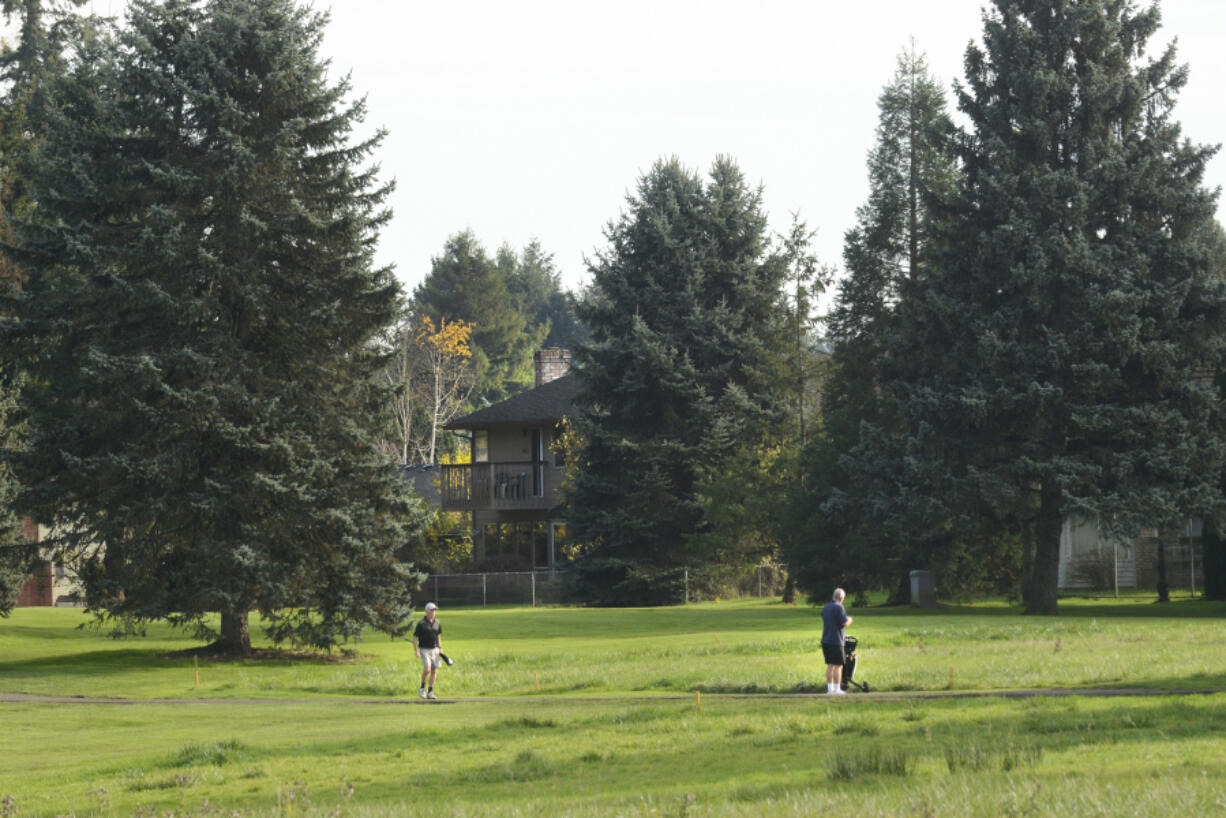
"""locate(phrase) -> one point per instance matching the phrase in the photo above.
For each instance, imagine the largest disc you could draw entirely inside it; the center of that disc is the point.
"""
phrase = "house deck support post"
(483, 592)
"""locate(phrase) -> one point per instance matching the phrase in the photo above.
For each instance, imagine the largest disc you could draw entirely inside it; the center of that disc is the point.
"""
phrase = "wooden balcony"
(498, 486)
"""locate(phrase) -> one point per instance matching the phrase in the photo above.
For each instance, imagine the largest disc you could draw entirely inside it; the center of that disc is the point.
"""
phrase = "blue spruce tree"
(200, 328)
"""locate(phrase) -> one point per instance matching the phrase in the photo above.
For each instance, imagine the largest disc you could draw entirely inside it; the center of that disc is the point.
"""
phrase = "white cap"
(430, 606)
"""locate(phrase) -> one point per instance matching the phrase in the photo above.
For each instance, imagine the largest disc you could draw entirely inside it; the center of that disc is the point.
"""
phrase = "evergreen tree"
(24, 68)
(743, 521)
(685, 317)
(840, 537)
(535, 285)
(1047, 365)
(17, 555)
(199, 326)
(464, 284)
(804, 364)
(1214, 540)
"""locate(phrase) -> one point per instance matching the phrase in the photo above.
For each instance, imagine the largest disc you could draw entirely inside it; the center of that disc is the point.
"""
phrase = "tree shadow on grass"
(1195, 683)
(1145, 608)
(1081, 607)
(209, 653)
(101, 663)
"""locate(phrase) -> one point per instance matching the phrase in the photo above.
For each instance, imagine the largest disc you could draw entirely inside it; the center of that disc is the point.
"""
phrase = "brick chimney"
(551, 364)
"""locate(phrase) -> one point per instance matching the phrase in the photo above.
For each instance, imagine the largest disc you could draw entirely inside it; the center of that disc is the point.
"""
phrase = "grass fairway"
(619, 729)
(730, 647)
(805, 756)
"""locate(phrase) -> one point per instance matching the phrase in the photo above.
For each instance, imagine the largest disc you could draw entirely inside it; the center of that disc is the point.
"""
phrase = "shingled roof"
(547, 403)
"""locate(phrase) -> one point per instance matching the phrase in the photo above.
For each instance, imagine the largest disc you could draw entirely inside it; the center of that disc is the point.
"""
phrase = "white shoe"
(431, 695)
(421, 691)
(838, 691)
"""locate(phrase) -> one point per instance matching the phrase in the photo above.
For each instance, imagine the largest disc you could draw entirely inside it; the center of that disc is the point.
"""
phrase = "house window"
(517, 546)
(493, 543)
(481, 446)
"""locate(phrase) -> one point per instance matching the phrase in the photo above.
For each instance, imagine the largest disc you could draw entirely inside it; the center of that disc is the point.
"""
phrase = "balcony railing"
(484, 486)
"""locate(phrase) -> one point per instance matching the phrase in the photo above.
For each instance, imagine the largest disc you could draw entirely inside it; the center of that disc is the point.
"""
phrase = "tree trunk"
(901, 595)
(434, 416)
(235, 639)
(1214, 561)
(789, 591)
(1164, 589)
(1027, 558)
(1042, 598)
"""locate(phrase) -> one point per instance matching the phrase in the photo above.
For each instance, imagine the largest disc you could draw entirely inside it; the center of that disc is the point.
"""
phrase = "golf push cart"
(849, 664)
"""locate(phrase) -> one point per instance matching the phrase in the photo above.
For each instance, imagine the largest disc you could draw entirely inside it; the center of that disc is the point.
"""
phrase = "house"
(513, 485)
(1091, 560)
(50, 584)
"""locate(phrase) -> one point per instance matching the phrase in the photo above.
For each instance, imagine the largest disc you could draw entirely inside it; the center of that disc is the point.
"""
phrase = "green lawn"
(1074, 756)
(601, 745)
(730, 647)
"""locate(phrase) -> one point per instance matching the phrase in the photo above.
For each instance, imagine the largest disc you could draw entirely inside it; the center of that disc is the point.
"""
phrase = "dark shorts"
(833, 654)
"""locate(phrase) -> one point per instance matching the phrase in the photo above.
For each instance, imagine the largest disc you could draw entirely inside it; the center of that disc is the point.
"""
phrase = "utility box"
(923, 590)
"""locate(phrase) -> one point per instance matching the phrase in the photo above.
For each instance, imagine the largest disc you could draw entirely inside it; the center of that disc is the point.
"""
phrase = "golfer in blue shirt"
(834, 620)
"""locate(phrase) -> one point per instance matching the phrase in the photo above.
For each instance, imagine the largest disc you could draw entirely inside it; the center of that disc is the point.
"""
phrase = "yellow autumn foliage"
(450, 339)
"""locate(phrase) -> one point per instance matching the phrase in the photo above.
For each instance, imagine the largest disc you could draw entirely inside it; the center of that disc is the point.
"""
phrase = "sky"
(533, 119)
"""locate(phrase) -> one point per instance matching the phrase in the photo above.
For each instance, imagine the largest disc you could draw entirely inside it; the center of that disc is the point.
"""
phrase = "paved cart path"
(24, 698)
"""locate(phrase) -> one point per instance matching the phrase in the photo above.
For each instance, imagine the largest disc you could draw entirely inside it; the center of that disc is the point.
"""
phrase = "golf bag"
(849, 664)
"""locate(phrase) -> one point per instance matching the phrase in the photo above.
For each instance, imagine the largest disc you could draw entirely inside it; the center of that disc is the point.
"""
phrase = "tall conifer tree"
(1050, 363)
(200, 327)
(839, 536)
(686, 318)
(465, 284)
(25, 66)
(17, 554)
(535, 285)
(1213, 543)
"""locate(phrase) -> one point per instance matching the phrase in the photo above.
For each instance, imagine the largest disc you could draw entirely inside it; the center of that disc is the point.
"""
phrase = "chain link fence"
(537, 588)
(534, 588)
(760, 582)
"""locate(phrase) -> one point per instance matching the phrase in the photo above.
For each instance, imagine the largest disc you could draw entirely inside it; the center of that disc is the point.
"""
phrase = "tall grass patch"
(526, 765)
(1005, 755)
(214, 754)
(850, 766)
